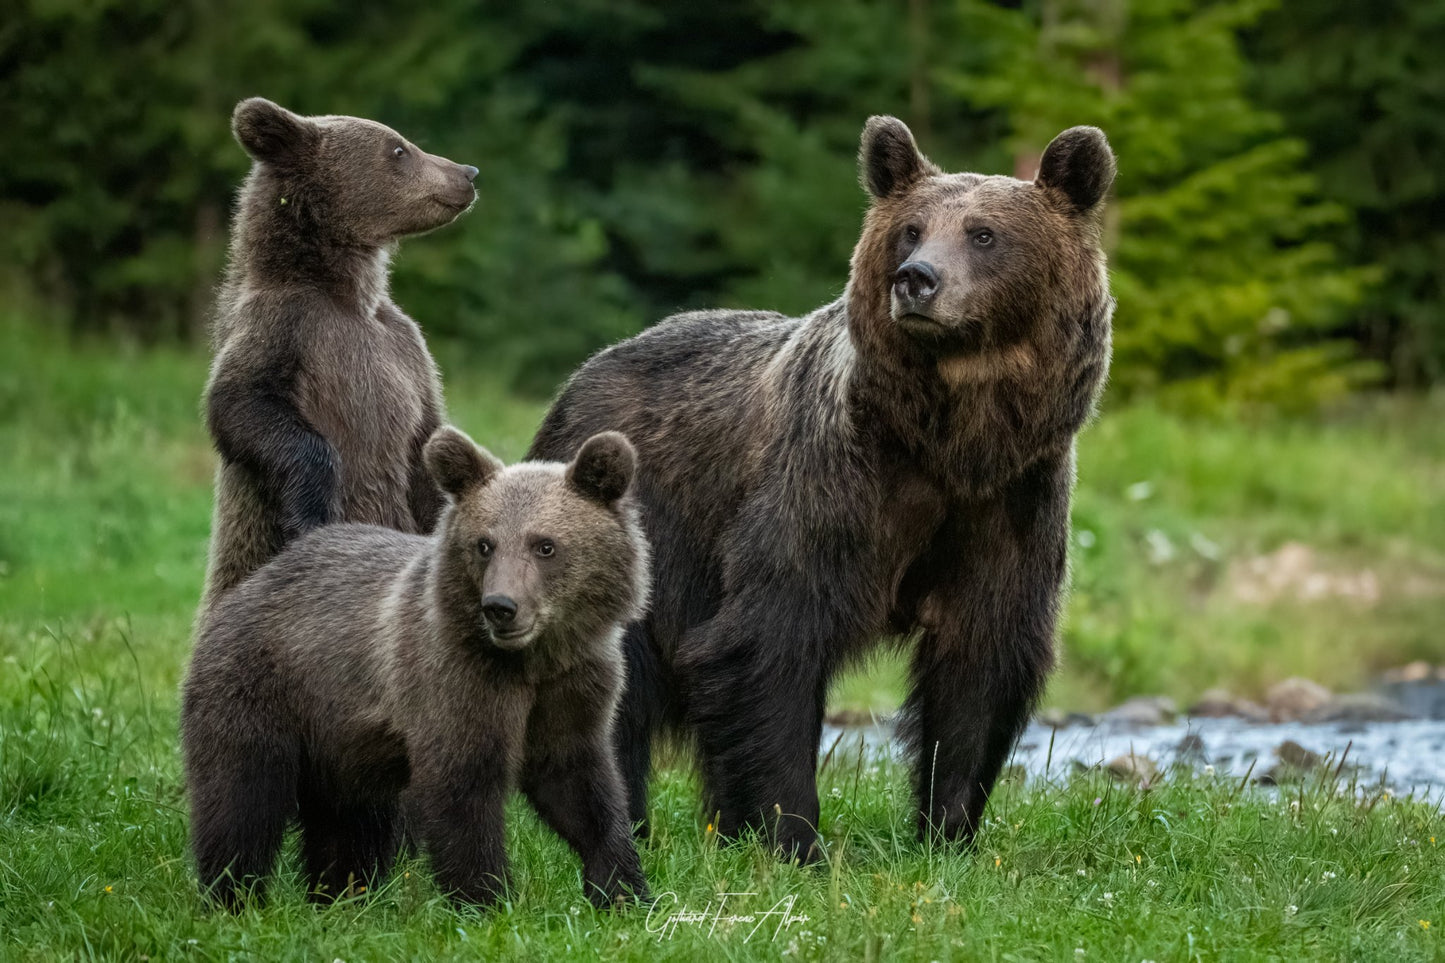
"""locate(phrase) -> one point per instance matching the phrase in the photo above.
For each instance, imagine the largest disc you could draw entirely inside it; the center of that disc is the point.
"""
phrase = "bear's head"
(541, 552)
(954, 266)
(355, 180)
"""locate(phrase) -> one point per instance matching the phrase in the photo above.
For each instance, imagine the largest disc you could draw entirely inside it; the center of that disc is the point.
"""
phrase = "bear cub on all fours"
(322, 392)
(363, 664)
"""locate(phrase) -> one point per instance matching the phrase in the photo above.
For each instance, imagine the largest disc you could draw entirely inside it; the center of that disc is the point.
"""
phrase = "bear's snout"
(914, 285)
(500, 611)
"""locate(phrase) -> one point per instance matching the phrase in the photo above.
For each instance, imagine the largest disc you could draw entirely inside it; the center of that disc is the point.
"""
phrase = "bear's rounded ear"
(457, 463)
(273, 134)
(1079, 165)
(603, 468)
(888, 159)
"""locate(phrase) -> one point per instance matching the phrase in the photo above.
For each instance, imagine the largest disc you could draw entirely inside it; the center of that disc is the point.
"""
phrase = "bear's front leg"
(754, 680)
(570, 776)
(988, 642)
(459, 806)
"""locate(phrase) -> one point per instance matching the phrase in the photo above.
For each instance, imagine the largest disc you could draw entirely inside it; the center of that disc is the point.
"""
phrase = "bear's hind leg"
(348, 845)
(241, 798)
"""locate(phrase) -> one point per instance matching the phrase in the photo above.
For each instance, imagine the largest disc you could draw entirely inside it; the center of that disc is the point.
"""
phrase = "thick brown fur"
(359, 666)
(322, 392)
(897, 462)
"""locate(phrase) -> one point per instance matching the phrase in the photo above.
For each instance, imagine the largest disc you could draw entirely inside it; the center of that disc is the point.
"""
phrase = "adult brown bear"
(897, 462)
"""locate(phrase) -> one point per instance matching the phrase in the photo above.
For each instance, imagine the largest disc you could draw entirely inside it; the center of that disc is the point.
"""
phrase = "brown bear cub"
(322, 392)
(362, 661)
(899, 462)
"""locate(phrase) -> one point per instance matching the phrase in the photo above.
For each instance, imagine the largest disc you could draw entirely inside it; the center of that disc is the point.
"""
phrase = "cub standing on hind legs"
(322, 391)
(899, 461)
(363, 661)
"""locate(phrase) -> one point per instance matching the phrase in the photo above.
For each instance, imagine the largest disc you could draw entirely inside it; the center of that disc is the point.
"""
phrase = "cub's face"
(962, 263)
(371, 185)
(541, 545)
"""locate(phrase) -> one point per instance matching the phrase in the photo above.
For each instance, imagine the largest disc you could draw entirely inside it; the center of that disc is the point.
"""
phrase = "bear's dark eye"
(545, 548)
(913, 234)
(485, 547)
(983, 238)
(399, 152)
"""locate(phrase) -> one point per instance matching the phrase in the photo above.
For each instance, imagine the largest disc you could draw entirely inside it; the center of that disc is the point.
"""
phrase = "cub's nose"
(470, 171)
(499, 610)
(915, 282)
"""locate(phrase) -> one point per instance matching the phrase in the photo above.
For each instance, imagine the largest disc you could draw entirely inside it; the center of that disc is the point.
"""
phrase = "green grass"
(104, 512)
(93, 861)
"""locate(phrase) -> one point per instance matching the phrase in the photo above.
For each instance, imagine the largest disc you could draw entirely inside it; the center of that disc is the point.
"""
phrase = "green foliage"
(1225, 265)
(640, 158)
(1362, 83)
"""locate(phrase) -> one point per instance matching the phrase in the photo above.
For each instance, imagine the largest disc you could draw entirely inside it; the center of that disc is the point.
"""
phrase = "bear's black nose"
(470, 171)
(915, 282)
(499, 609)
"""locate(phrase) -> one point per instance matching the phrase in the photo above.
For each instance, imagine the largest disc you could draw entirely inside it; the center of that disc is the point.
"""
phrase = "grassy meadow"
(1230, 552)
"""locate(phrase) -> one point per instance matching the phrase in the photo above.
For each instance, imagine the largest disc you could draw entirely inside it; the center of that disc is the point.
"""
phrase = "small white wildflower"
(1153, 883)
(575, 910)
(1334, 831)
(835, 793)
(1108, 897)
(1209, 770)
(1082, 873)
(1327, 876)
(1291, 909)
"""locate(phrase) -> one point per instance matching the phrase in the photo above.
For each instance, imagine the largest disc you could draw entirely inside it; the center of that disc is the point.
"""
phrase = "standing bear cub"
(322, 392)
(361, 662)
(898, 462)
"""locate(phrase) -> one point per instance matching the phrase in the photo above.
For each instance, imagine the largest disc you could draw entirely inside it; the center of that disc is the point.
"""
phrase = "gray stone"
(1133, 769)
(1190, 749)
(1359, 707)
(1294, 698)
(1293, 754)
(1062, 719)
(1141, 711)
(1219, 704)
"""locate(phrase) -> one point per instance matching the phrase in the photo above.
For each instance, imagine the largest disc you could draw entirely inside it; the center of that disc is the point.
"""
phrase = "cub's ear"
(888, 159)
(273, 134)
(1079, 165)
(603, 468)
(457, 463)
